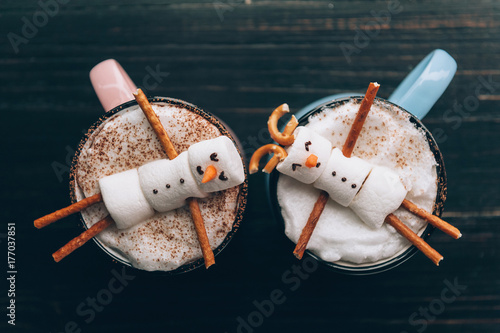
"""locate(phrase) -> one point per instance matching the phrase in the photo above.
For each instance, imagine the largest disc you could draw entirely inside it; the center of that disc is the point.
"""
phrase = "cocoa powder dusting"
(126, 141)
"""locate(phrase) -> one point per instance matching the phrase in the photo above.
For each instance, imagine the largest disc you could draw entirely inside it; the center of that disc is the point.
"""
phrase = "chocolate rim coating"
(438, 202)
(242, 195)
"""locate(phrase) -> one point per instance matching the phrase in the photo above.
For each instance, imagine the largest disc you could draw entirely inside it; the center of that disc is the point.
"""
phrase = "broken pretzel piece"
(286, 138)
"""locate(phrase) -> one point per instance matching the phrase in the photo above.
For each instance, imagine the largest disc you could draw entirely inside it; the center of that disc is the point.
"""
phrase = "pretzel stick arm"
(62, 213)
(157, 126)
(306, 233)
(359, 121)
(85, 236)
(201, 232)
(432, 219)
(406, 232)
(167, 145)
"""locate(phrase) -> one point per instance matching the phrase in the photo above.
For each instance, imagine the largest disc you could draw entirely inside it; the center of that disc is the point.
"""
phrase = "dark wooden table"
(239, 60)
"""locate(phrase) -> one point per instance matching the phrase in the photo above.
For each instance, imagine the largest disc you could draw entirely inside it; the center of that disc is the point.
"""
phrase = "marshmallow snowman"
(135, 195)
(372, 192)
(167, 184)
(382, 193)
(343, 177)
(123, 197)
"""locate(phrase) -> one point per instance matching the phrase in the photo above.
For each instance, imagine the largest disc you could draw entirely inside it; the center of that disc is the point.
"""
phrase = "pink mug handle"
(112, 84)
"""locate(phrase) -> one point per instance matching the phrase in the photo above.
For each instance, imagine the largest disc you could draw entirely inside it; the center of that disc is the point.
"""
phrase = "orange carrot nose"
(210, 173)
(311, 161)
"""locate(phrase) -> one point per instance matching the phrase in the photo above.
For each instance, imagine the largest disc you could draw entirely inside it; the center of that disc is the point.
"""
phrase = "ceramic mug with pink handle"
(121, 140)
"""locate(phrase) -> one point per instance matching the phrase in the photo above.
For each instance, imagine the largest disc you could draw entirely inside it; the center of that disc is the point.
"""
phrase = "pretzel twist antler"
(279, 154)
(286, 138)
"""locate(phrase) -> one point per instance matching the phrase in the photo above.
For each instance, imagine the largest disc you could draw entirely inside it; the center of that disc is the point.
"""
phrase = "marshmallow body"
(381, 194)
(343, 177)
(124, 199)
(168, 183)
(222, 154)
(306, 143)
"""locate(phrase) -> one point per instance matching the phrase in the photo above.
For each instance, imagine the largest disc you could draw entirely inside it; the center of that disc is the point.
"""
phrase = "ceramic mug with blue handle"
(416, 94)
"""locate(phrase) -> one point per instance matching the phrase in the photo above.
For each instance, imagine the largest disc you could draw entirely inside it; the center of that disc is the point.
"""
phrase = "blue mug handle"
(418, 92)
(421, 89)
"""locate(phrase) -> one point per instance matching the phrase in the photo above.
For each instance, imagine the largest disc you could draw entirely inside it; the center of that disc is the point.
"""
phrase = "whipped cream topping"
(388, 139)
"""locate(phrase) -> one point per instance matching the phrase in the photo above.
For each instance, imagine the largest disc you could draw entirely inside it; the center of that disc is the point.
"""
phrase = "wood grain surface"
(239, 60)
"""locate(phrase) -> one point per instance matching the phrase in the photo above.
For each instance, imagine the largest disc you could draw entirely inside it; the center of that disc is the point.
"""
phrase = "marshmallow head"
(124, 200)
(381, 194)
(307, 146)
(343, 177)
(220, 158)
(166, 184)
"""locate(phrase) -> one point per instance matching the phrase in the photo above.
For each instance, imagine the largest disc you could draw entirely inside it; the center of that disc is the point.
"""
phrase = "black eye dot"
(334, 173)
(353, 185)
(307, 144)
(213, 157)
(155, 191)
(199, 170)
(167, 186)
(344, 179)
(222, 176)
(182, 180)
(318, 164)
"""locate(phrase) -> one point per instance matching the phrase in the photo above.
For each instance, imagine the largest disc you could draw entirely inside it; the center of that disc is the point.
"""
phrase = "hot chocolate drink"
(389, 141)
(165, 240)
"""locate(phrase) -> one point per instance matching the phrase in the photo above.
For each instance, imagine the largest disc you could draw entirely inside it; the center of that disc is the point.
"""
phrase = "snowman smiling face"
(307, 156)
(216, 164)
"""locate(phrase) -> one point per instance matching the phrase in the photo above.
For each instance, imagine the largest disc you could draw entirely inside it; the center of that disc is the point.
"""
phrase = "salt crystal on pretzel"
(306, 143)
(343, 177)
(124, 199)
